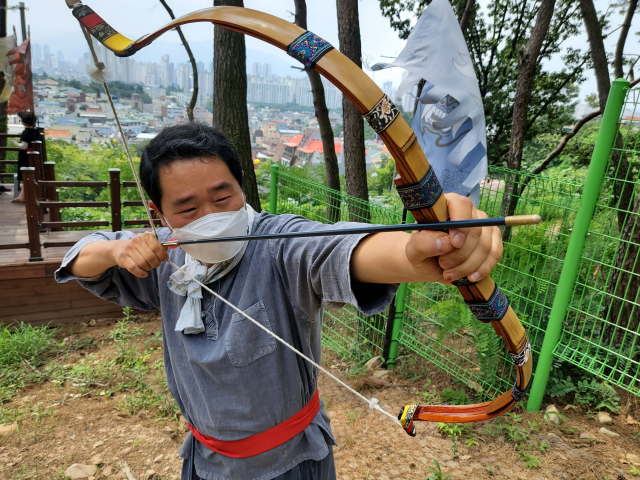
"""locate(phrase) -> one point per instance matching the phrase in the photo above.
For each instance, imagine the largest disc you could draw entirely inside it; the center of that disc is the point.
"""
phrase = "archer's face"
(197, 187)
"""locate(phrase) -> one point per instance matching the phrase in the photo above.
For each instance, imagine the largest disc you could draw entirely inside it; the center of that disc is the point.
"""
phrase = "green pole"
(397, 325)
(399, 316)
(597, 167)
(273, 194)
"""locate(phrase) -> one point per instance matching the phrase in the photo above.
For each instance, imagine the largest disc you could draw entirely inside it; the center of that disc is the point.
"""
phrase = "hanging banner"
(21, 99)
(449, 122)
(7, 44)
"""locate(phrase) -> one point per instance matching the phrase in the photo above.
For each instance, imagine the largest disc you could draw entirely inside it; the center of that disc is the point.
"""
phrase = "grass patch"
(21, 350)
(25, 343)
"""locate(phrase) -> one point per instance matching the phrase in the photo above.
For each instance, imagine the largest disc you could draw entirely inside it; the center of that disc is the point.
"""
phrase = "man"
(238, 388)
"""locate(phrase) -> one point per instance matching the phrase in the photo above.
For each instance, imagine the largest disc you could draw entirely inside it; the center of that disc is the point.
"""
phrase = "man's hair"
(184, 142)
(28, 118)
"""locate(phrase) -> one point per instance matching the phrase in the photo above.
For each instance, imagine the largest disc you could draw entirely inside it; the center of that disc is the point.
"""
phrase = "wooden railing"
(4, 162)
(41, 197)
(41, 194)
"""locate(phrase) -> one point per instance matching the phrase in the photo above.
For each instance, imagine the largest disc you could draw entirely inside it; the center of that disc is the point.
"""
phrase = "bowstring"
(373, 402)
(101, 76)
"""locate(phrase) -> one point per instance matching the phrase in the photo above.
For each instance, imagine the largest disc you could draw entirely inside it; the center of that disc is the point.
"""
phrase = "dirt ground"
(61, 425)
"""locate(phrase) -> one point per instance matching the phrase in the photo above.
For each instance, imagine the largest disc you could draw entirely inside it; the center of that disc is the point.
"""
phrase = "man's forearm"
(381, 258)
(95, 258)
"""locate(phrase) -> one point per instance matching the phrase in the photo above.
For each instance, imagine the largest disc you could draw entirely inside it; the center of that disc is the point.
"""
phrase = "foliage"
(597, 395)
(495, 34)
(21, 350)
(530, 460)
(455, 397)
(85, 373)
(287, 107)
(453, 315)
(24, 343)
(512, 430)
(380, 180)
(456, 430)
(559, 384)
(92, 165)
(117, 88)
(435, 473)
(592, 100)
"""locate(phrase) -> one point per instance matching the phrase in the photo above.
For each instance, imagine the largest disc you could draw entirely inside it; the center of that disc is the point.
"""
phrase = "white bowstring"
(373, 402)
(99, 74)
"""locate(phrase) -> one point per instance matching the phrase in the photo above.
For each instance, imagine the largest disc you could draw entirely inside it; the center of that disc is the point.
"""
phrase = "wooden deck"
(28, 291)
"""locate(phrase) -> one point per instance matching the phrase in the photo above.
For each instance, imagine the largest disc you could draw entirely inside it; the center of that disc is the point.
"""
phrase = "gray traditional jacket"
(234, 380)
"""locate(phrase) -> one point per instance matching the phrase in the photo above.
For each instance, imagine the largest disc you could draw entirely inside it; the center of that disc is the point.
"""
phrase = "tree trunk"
(621, 308)
(324, 124)
(618, 71)
(230, 99)
(622, 189)
(598, 53)
(527, 62)
(192, 60)
(466, 15)
(624, 282)
(353, 123)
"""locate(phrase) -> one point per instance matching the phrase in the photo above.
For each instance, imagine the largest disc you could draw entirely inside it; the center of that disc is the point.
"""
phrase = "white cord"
(373, 403)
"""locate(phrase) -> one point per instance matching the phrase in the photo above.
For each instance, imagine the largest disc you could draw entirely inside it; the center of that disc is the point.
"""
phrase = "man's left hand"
(472, 252)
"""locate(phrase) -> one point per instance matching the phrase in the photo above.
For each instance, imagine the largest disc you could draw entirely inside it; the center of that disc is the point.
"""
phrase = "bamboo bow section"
(417, 183)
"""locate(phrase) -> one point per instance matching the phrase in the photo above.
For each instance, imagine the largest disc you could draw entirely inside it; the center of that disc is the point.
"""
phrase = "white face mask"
(214, 225)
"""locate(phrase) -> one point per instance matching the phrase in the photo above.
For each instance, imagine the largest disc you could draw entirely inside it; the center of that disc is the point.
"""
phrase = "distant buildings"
(284, 133)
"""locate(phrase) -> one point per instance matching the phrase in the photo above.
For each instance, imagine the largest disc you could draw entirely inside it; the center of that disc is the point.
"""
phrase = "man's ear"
(155, 208)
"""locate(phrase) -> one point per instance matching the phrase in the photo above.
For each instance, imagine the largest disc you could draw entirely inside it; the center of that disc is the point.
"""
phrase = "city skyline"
(263, 85)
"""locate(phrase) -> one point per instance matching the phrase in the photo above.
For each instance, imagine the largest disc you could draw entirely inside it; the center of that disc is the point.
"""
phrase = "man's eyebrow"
(221, 186)
(215, 188)
(182, 201)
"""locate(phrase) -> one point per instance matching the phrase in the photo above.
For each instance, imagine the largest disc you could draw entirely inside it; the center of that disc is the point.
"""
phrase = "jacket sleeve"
(316, 270)
(115, 284)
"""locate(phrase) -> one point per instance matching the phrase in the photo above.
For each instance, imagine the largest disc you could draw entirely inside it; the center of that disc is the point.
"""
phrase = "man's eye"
(188, 210)
(223, 198)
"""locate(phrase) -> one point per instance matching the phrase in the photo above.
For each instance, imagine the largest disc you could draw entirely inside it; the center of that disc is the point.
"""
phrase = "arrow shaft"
(479, 222)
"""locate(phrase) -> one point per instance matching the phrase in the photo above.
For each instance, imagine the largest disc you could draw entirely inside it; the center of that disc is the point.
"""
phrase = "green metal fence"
(598, 326)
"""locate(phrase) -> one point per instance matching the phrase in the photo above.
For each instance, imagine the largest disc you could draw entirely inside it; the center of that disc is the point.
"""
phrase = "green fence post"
(273, 194)
(597, 167)
(399, 316)
(397, 325)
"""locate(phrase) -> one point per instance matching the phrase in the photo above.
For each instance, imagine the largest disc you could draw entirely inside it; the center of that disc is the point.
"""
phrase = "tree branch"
(466, 15)
(564, 140)
(622, 39)
(598, 53)
(194, 68)
(553, 96)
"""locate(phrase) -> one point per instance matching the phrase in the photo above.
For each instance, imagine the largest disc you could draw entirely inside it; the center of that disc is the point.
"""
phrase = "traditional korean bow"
(417, 184)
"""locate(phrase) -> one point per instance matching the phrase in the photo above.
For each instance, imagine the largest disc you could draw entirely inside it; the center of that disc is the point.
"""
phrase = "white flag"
(449, 122)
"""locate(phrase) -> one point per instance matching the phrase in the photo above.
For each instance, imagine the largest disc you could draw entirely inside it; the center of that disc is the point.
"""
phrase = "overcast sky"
(52, 24)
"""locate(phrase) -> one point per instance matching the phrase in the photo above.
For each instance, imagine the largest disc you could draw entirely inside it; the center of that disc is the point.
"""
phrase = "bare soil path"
(94, 414)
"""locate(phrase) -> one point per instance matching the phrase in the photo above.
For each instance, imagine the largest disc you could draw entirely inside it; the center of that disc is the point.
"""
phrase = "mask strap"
(167, 221)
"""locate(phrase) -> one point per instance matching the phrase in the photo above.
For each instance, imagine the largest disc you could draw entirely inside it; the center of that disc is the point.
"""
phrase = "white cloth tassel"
(98, 72)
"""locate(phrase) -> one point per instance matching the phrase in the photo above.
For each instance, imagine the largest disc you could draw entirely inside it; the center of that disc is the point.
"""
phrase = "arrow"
(513, 220)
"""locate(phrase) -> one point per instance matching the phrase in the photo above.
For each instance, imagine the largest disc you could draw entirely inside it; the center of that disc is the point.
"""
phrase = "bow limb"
(417, 183)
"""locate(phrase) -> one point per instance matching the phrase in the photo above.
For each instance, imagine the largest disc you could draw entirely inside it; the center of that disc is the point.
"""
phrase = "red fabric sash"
(263, 441)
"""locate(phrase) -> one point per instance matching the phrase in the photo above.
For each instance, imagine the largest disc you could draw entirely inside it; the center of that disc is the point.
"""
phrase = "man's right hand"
(140, 254)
